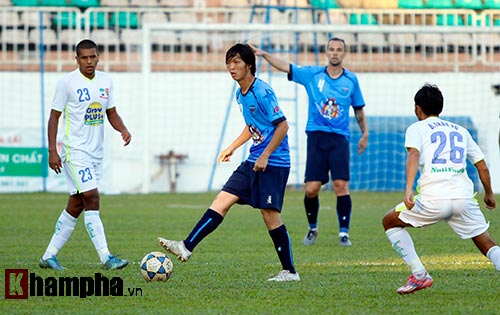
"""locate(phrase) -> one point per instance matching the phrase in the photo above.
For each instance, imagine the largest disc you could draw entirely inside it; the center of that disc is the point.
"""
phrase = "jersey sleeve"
(299, 74)
(60, 98)
(474, 153)
(357, 97)
(412, 138)
(272, 107)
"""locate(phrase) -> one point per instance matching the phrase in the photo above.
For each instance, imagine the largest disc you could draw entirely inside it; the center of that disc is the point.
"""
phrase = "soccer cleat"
(310, 237)
(175, 247)
(414, 284)
(285, 275)
(51, 263)
(344, 240)
(113, 262)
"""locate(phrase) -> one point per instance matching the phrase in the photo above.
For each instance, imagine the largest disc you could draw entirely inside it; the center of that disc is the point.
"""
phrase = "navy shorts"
(261, 190)
(327, 152)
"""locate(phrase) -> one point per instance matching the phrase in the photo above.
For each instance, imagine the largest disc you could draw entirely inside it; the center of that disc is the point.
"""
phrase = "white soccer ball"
(156, 266)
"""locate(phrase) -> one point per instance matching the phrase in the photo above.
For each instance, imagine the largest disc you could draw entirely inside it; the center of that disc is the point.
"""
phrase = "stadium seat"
(70, 37)
(324, 4)
(10, 19)
(154, 17)
(350, 4)
(439, 4)
(380, 4)
(411, 4)
(15, 37)
(469, 4)
(106, 37)
(5, 3)
(65, 19)
(449, 20)
(362, 18)
(49, 37)
(84, 3)
(124, 19)
(26, 3)
(372, 41)
(175, 3)
(492, 4)
(131, 37)
(114, 3)
(32, 19)
(144, 3)
(401, 42)
(54, 3)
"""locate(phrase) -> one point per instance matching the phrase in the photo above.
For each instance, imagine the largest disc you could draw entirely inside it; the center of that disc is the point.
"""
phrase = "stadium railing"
(390, 40)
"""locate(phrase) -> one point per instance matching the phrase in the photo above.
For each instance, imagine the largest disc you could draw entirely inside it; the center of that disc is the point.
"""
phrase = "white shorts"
(82, 176)
(463, 215)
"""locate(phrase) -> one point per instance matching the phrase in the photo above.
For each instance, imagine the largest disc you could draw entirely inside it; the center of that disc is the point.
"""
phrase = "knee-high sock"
(95, 228)
(344, 209)
(494, 255)
(65, 225)
(283, 247)
(402, 243)
(207, 224)
(312, 209)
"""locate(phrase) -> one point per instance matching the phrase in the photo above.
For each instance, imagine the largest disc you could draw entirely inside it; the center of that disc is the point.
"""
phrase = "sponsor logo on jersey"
(94, 116)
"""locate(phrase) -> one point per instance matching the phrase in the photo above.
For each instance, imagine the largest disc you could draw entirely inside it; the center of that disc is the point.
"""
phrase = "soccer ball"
(156, 266)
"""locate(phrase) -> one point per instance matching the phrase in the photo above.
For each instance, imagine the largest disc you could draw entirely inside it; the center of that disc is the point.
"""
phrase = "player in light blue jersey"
(332, 90)
(83, 98)
(260, 180)
(440, 150)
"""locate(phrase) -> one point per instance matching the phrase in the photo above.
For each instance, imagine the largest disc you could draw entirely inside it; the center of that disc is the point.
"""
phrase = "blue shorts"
(327, 152)
(261, 190)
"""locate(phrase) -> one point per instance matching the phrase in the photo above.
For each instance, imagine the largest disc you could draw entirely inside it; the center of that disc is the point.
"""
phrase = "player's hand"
(55, 162)
(409, 200)
(261, 164)
(126, 136)
(489, 200)
(256, 50)
(224, 156)
(362, 144)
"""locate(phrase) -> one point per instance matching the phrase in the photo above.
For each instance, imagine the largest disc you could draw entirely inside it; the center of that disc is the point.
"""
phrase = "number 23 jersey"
(83, 103)
(444, 149)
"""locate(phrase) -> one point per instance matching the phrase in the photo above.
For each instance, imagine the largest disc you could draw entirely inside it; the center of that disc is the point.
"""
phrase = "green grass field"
(228, 270)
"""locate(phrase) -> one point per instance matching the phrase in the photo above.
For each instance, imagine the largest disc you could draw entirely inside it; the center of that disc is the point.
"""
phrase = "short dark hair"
(337, 39)
(430, 99)
(246, 54)
(85, 44)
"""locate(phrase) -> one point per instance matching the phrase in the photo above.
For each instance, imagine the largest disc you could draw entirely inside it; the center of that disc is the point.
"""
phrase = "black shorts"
(327, 152)
(261, 190)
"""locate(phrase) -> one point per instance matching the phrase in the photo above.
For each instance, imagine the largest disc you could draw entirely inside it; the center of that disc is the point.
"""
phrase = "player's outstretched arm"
(484, 176)
(117, 123)
(225, 155)
(278, 63)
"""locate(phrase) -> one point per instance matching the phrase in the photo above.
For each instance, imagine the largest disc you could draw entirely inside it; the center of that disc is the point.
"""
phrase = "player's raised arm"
(278, 63)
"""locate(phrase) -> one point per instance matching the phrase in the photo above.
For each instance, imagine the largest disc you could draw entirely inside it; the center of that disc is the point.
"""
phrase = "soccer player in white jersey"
(440, 149)
(84, 97)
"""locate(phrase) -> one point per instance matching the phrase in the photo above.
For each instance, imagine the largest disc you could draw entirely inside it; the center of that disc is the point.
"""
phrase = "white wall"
(186, 114)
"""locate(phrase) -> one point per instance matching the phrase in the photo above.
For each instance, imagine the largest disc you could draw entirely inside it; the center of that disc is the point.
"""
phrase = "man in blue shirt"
(331, 91)
(260, 180)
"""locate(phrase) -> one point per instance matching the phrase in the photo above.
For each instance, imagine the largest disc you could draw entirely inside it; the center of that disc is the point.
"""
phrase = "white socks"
(94, 227)
(494, 255)
(403, 244)
(64, 227)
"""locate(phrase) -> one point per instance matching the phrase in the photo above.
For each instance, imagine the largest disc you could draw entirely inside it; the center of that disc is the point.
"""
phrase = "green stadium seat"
(69, 20)
(469, 4)
(492, 4)
(84, 3)
(26, 3)
(54, 3)
(411, 4)
(363, 19)
(440, 4)
(449, 20)
(324, 4)
(124, 19)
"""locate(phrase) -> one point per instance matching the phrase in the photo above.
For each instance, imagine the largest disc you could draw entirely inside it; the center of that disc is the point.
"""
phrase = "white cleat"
(310, 237)
(344, 240)
(175, 247)
(285, 275)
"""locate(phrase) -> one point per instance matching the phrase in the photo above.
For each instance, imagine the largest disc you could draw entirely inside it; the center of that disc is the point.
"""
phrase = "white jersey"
(444, 149)
(83, 103)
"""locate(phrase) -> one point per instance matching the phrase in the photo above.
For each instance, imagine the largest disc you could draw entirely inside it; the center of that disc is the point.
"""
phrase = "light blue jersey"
(262, 113)
(329, 99)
